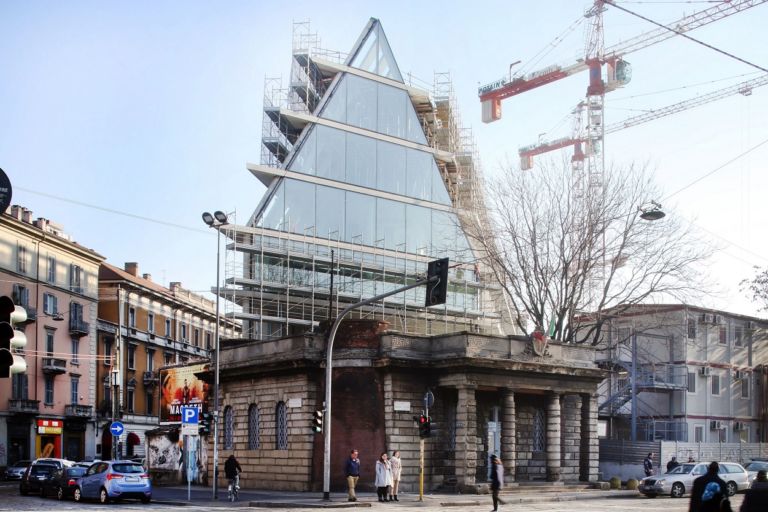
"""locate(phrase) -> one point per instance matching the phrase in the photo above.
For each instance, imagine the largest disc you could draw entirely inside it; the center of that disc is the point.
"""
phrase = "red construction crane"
(579, 141)
(491, 94)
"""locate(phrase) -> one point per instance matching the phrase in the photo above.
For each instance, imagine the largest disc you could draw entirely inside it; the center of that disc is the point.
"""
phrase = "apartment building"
(684, 373)
(48, 410)
(143, 326)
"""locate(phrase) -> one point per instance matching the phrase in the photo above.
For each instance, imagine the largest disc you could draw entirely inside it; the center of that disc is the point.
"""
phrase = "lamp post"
(115, 405)
(215, 221)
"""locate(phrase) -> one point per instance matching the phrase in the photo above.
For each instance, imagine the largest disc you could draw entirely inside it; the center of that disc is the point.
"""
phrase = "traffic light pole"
(329, 371)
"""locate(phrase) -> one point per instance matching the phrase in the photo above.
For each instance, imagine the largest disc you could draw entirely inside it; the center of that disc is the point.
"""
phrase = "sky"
(124, 121)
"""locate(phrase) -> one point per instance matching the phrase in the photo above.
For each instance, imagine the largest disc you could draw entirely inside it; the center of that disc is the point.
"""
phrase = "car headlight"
(661, 482)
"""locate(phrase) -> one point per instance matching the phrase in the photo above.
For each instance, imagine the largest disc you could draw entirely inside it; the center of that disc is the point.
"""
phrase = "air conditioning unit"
(715, 425)
(718, 319)
(705, 318)
(738, 374)
(751, 325)
(738, 425)
(704, 371)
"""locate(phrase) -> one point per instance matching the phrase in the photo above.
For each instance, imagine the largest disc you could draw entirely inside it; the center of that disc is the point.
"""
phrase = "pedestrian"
(691, 460)
(756, 497)
(352, 471)
(708, 491)
(497, 480)
(672, 464)
(383, 477)
(397, 467)
(648, 464)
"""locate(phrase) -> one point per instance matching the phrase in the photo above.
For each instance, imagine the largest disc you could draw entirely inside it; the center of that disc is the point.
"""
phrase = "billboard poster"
(180, 388)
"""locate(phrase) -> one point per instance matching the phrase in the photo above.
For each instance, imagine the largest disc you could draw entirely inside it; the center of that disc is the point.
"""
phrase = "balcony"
(31, 315)
(23, 406)
(54, 366)
(78, 327)
(151, 379)
(78, 411)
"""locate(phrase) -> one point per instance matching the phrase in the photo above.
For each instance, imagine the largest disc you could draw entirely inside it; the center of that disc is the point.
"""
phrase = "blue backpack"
(710, 491)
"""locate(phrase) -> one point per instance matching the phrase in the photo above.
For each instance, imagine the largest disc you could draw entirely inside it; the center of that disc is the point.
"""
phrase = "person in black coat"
(497, 480)
(756, 497)
(705, 497)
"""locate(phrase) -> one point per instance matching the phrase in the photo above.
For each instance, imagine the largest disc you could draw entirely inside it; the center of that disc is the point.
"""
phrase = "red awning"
(133, 439)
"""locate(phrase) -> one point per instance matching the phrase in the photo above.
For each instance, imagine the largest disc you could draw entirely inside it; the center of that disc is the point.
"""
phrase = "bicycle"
(233, 488)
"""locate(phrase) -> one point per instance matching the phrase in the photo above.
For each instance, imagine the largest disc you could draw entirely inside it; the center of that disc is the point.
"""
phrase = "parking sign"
(189, 415)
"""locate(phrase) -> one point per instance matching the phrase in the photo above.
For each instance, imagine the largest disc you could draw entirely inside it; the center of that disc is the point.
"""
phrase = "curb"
(273, 504)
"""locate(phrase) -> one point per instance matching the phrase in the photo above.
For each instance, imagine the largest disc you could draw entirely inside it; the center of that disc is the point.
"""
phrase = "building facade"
(492, 395)
(143, 326)
(48, 410)
(368, 180)
(695, 374)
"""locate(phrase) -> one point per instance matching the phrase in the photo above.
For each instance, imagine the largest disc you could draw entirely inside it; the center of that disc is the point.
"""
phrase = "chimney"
(148, 277)
(16, 211)
(41, 223)
(132, 268)
(174, 285)
(26, 215)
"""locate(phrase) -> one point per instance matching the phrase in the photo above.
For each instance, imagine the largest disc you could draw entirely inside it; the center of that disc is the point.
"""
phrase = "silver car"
(755, 466)
(679, 481)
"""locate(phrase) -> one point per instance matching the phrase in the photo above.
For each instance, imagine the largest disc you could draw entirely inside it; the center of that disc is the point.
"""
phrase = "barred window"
(229, 428)
(281, 424)
(539, 431)
(253, 427)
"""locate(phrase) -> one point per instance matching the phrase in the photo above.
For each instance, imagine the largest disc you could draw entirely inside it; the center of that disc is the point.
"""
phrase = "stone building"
(493, 395)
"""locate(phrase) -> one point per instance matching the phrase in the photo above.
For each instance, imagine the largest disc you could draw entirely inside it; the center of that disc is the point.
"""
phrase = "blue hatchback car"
(114, 480)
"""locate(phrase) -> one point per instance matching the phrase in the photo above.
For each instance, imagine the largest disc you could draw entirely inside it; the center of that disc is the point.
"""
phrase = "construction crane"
(578, 141)
(491, 94)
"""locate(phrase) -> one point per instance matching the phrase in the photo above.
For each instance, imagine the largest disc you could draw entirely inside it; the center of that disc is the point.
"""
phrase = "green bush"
(615, 482)
(632, 484)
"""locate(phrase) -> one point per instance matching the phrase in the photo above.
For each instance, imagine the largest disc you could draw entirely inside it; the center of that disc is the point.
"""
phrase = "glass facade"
(383, 207)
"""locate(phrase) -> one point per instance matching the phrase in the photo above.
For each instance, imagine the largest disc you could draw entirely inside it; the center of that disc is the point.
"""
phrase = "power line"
(682, 34)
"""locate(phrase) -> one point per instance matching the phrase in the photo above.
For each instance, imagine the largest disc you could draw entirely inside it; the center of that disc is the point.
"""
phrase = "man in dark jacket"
(708, 491)
(672, 464)
(648, 465)
(497, 480)
(756, 497)
(352, 472)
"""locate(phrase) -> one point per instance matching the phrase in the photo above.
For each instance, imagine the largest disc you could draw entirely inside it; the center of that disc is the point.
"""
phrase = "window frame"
(281, 426)
(229, 428)
(21, 258)
(131, 357)
(74, 384)
(715, 377)
(692, 376)
(49, 390)
(75, 350)
(51, 275)
(253, 427)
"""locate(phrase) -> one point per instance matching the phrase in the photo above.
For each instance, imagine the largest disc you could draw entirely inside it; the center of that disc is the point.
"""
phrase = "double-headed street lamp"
(215, 221)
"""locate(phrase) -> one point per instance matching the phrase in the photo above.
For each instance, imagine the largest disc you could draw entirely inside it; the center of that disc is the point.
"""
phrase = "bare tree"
(565, 258)
(757, 287)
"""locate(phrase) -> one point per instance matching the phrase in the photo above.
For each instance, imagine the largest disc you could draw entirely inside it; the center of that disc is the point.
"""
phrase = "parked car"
(114, 479)
(754, 466)
(34, 477)
(679, 481)
(59, 463)
(84, 463)
(62, 483)
(16, 470)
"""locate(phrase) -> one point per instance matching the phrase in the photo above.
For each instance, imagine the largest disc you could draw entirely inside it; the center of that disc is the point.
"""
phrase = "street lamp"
(115, 405)
(215, 221)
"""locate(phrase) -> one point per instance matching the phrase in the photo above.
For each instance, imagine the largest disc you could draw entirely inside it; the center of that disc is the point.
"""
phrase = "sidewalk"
(177, 495)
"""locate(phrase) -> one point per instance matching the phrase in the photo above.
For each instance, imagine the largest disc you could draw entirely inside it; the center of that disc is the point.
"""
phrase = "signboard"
(116, 428)
(6, 193)
(190, 429)
(50, 427)
(402, 406)
(181, 388)
(190, 415)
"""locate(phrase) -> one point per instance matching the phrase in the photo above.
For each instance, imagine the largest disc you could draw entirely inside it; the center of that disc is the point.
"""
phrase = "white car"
(755, 466)
(679, 481)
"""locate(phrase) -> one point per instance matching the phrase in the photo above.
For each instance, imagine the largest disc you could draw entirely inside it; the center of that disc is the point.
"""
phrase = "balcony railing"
(151, 378)
(55, 366)
(78, 327)
(24, 406)
(78, 411)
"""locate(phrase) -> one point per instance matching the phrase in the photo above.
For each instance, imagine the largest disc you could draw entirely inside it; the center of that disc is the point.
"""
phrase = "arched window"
(539, 430)
(281, 427)
(229, 428)
(253, 427)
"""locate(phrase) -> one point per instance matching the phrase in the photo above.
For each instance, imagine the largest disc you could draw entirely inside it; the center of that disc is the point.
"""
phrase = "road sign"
(189, 415)
(190, 429)
(116, 428)
(429, 400)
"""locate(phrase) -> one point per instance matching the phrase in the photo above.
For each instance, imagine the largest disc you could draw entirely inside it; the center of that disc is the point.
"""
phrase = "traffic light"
(205, 423)
(437, 289)
(317, 422)
(10, 338)
(425, 425)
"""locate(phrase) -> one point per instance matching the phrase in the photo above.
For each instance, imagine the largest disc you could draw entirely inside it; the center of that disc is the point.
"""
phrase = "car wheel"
(103, 496)
(678, 490)
(59, 493)
(77, 494)
(732, 488)
(146, 499)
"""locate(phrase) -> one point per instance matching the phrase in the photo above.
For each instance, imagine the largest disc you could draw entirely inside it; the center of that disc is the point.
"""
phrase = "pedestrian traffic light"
(205, 423)
(437, 289)
(425, 425)
(317, 422)
(10, 338)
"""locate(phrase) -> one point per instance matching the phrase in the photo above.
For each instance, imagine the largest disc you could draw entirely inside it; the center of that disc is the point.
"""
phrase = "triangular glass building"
(368, 178)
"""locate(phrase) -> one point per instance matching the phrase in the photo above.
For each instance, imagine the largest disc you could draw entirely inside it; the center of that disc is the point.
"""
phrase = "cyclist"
(232, 471)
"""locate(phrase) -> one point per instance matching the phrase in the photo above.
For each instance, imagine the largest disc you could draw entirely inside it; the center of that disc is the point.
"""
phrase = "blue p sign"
(189, 415)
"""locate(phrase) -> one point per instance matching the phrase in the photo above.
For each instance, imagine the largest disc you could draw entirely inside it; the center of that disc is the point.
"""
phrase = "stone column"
(508, 432)
(466, 437)
(553, 438)
(590, 446)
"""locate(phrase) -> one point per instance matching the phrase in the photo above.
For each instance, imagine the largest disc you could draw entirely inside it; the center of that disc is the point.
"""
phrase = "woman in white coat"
(383, 477)
(397, 467)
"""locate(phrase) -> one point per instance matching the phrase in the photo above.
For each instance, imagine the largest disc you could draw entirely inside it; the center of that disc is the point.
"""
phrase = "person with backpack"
(709, 490)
